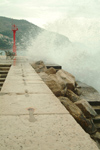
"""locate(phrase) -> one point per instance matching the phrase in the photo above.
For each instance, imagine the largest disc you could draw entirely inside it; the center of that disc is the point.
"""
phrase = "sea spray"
(82, 60)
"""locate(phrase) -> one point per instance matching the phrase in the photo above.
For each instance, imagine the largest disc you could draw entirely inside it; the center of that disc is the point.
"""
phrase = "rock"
(67, 78)
(55, 87)
(86, 124)
(39, 66)
(86, 108)
(87, 92)
(96, 136)
(51, 70)
(63, 92)
(72, 96)
(59, 80)
(84, 88)
(40, 62)
(43, 75)
(53, 84)
(77, 91)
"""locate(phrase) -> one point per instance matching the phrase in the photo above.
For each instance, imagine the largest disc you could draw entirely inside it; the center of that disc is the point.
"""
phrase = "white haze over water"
(81, 57)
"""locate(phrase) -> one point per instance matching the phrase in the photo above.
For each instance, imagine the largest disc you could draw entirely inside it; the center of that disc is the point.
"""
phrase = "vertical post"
(14, 29)
(14, 49)
(14, 36)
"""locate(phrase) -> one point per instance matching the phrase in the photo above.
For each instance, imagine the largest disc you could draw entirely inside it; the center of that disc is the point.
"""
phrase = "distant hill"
(26, 32)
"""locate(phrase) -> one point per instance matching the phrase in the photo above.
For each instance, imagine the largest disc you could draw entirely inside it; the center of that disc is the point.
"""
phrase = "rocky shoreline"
(76, 96)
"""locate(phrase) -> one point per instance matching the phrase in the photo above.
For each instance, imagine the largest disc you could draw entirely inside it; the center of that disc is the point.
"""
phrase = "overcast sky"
(41, 12)
(79, 20)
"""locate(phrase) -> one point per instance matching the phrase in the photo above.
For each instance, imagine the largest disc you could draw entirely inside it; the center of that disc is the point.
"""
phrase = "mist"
(79, 56)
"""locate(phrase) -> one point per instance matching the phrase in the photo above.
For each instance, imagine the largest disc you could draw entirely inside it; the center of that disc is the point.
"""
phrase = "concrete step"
(96, 119)
(4, 71)
(55, 66)
(3, 75)
(2, 79)
(0, 88)
(1, 83)
(4, 68)
(94, 103)
(5, 65)
(96, 107)
(97, 110)
(97, 126)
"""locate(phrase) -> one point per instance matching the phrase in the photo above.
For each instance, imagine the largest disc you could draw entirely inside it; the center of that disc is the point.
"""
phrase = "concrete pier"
(32, 118)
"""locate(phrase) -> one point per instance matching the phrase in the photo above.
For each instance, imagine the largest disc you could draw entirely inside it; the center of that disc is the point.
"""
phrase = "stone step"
(4, 71)
(3, 75)
(97, 110)
(0, 88)
(97, 125)
(94, 103)
(55, 66)
(5, 65)
(96, 107)
(96, 119)
(4, 68)
(2, 79)
(1, 83)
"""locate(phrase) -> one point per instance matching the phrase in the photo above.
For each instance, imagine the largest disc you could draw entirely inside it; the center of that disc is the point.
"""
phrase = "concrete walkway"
(32, 118)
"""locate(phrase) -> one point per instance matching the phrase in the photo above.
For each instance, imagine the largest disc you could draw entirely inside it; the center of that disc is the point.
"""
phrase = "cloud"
(4, 2)
(48, 11)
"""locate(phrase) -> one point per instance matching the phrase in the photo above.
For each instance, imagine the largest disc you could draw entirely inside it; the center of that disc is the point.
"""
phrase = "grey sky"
(43, 11)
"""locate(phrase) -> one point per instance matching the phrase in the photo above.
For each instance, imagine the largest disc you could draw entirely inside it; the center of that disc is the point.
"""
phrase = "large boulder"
(58, 80)
(51, 70)
(86, 124)
(53, 84)
(67, 78)
(39, 66)
(86, 108)
(87, 92)
(72, 96)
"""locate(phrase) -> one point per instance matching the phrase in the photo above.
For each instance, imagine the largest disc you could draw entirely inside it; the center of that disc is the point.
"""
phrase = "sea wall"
(74, 95)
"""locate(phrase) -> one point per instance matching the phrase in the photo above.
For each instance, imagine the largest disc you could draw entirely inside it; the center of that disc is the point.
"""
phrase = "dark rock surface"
(50, 71)
(72, 96)
(86, 108)
(39, 66)
(88, 92)
(53, 84)
(67, 78)
(86, 124)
